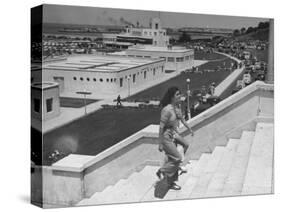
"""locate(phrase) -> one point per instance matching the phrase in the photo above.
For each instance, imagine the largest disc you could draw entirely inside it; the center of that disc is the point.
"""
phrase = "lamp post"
(84, 93)
(128, 85)
(188, 94)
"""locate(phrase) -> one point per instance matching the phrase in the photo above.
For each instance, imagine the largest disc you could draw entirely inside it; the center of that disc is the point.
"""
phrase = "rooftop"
(44, 85)
(97, 63)
(159, 48)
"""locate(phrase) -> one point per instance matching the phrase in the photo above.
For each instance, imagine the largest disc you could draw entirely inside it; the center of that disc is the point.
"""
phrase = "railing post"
(270, 65)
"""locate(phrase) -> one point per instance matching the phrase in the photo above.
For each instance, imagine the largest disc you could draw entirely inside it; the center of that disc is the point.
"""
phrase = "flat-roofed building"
(153, 42)
(45, 103)
(103, 75)
(154, 35)
(176, 58)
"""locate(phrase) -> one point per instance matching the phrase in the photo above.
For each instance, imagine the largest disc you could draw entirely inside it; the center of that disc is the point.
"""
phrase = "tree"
(184, 38)
(263, 25)
(250, 29)
(243, 30)
(236, 32)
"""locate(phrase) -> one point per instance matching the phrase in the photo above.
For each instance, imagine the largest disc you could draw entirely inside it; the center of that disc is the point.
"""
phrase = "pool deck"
(68, 115)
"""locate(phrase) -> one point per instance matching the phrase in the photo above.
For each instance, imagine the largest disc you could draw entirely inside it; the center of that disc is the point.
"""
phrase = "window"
(81, 78)
(101, 80)
(179, 59)
(111, 80)
(74, 78)
(88, 79)
(144, 74)
(95, 79)
(49, 103)
(107, 80)
(36, 105)
(121, 82)
(134, 78)
(171, 59)
(154, 71)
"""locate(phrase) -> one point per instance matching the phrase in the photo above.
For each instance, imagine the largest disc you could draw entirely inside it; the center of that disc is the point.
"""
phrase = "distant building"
(45, 103)
(154, 35)
(102, 75)
(154, 43)
(176, 58)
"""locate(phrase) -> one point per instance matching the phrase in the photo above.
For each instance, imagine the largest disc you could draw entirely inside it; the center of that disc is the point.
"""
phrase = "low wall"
(66, 184)
(214, 126)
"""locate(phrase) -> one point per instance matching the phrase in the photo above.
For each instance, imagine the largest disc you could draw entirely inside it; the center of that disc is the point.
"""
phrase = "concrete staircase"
(243, 167)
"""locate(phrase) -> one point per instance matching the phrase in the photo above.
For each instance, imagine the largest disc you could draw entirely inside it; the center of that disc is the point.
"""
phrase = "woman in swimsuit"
(169, 137)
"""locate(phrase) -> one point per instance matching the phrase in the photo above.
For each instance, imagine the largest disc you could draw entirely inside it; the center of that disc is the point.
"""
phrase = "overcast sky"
(106, 16)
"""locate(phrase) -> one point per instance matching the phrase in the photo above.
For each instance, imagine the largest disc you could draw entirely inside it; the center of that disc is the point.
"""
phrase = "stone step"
(171, 195)
(126, 190)
(234, 182)
(258, 178)
(218, 180)
(193, 177)
(136, 186)
(200, 188)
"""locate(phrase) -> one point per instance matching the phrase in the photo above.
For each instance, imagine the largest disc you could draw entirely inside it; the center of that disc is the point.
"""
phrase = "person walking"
(118, 101)
(169, 137)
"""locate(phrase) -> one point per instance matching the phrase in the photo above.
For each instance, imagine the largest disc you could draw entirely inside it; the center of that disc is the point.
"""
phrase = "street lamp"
(128, 86)
(188, 94)
(84, 93)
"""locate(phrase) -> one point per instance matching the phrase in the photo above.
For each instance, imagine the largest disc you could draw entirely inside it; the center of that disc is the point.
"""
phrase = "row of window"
(144, 72)
(168, 59)
(94, 79)
(114, 79)
(37, 105)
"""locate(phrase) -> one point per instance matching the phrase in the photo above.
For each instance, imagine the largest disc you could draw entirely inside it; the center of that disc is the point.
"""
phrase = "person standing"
(169, 137)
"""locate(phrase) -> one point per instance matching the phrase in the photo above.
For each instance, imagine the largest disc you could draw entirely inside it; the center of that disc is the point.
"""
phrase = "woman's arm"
(165, 116)
(186, 125)
(161, 137)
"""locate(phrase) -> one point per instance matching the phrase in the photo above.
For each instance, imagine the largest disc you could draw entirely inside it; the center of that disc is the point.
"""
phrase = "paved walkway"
(230, 79)
(68, 115)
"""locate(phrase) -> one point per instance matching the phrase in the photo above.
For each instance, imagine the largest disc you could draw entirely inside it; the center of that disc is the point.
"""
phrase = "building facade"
(103, 75)
(175, 58)
(45, 103)
(154, 35)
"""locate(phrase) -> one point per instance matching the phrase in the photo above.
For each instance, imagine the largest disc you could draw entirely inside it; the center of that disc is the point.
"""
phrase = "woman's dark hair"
(167, 98)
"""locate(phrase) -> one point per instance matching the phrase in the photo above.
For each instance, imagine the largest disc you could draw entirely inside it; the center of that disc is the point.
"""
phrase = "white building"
(155, 35)
(176, 58)
(156, 45)
(102, 75)
(45, 103)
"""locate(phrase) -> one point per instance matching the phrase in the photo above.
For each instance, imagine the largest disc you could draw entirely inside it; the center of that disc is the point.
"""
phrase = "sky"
(108, 16)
